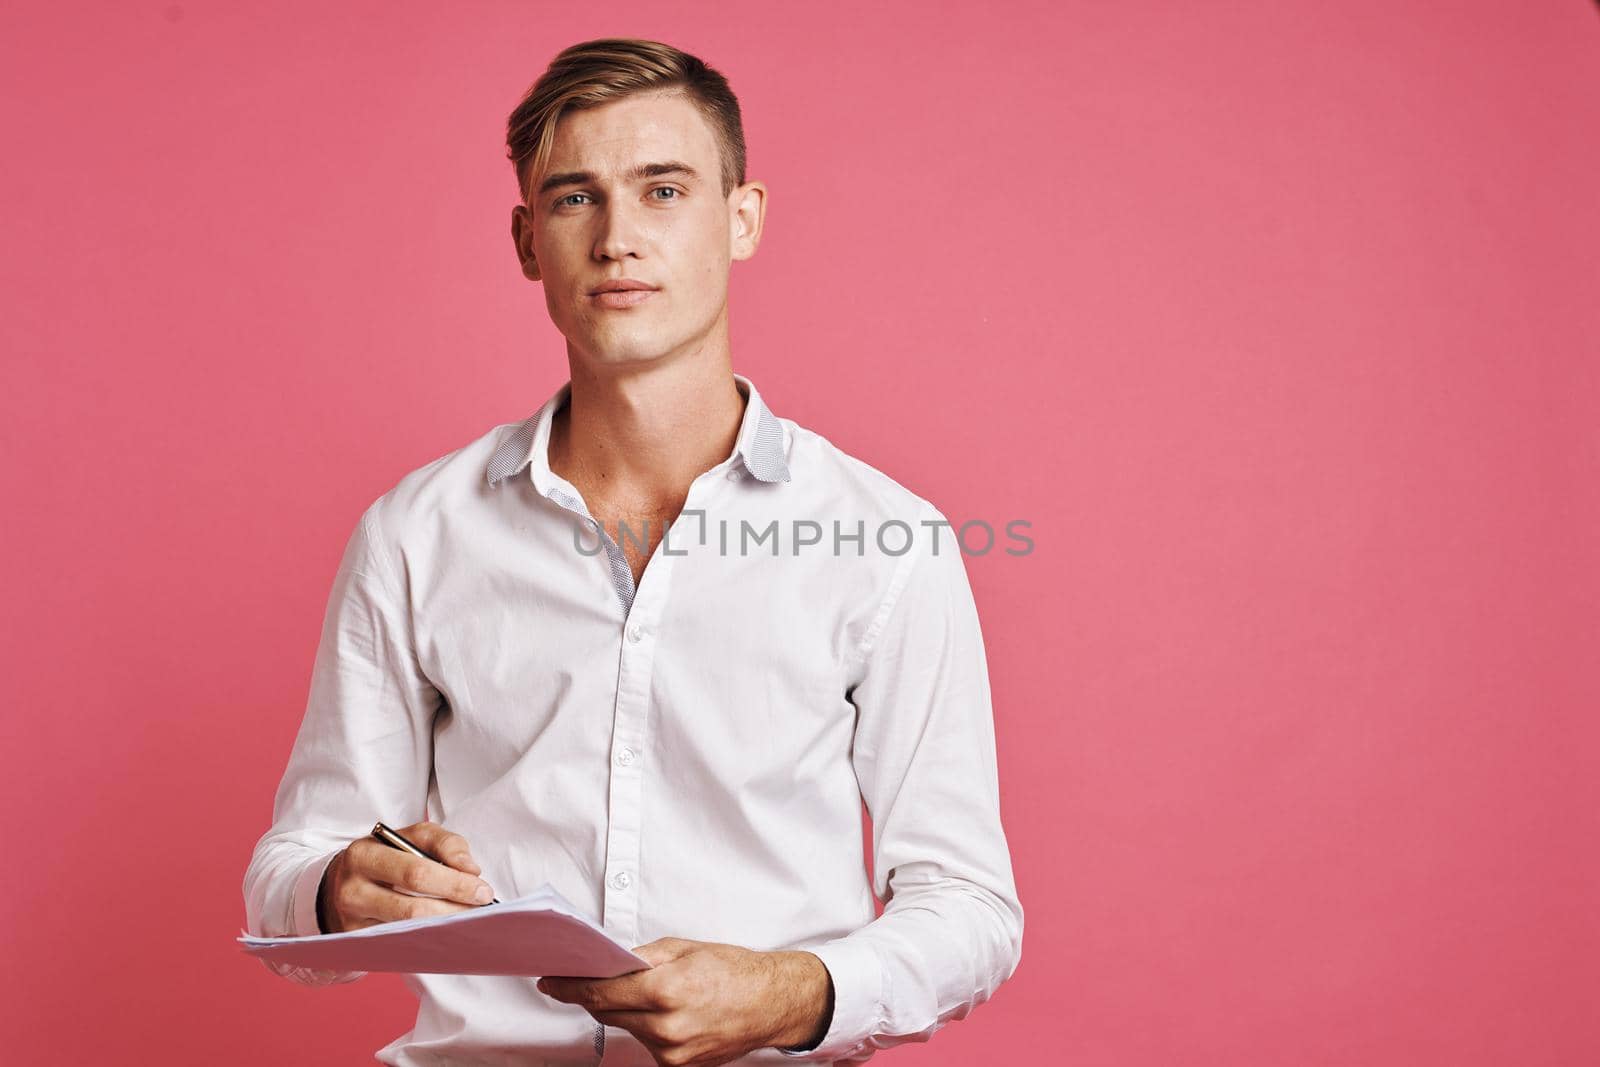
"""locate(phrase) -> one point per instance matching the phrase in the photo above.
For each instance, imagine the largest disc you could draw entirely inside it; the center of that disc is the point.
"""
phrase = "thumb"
(663, 950)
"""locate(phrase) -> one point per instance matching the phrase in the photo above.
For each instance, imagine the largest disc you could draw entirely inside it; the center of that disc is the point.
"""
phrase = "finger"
(403, 871)
(578, 991)
(602, 994)
(392, 906)
(554, 988)
(664, 950)
(641, 1024)
(451, 848)
(363, 902)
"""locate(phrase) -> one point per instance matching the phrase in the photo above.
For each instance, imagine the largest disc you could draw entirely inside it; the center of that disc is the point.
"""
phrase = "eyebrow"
(643, 170)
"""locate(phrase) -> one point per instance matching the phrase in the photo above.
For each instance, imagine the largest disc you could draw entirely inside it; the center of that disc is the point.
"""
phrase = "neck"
(636, 439)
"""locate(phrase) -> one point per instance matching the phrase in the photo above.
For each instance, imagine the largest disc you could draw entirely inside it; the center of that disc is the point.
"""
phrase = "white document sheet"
(532, 936)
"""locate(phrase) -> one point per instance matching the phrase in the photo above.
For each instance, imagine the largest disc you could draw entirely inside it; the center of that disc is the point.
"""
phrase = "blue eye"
(676, 195)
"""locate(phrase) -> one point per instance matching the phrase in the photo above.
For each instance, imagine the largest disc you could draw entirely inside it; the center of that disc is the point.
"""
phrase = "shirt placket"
(630, 743)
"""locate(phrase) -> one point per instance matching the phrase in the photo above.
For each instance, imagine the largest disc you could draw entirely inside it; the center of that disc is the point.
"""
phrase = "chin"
(617, 353)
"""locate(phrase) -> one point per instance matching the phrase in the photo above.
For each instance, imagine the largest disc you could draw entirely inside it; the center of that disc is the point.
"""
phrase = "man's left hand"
(702, 1003)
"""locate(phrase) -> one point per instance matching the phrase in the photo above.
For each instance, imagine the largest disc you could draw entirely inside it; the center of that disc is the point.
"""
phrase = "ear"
(747, 210)
(522, 237)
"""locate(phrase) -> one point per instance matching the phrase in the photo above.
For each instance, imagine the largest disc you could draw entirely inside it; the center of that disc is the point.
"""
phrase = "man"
(535, 676)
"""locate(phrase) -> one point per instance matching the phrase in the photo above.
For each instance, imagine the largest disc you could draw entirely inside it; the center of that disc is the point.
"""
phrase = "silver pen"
(393, 839)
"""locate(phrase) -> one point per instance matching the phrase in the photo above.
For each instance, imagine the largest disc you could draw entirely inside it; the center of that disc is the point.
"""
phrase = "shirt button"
(734, 474)
(635, 633)
(625, 757)
(620, 880)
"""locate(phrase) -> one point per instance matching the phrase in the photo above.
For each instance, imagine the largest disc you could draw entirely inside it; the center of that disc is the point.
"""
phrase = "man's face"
(593, 217)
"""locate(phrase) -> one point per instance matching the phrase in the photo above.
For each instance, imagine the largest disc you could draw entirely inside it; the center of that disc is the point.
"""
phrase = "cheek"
(559, 305)
(710, 268)
(704, 244)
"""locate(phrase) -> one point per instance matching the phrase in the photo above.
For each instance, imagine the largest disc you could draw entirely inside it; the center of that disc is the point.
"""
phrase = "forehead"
(644, 126)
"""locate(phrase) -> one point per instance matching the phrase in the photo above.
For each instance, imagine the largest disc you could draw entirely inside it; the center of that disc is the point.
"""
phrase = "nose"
(618, 233)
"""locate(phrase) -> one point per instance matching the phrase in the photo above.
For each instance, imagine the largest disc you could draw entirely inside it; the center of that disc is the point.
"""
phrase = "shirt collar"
(760, 444)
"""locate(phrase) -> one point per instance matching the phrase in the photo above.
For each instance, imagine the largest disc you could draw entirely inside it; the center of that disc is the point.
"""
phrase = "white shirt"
(687, 759)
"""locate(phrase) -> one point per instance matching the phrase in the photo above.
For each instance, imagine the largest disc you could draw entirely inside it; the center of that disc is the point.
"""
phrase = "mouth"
(621, 298)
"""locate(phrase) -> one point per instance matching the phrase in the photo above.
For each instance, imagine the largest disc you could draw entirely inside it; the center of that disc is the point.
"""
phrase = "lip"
(613, 284)
(621, 298)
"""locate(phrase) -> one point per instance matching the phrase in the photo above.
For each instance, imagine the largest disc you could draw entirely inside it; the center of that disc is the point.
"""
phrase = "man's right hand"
(360, 885)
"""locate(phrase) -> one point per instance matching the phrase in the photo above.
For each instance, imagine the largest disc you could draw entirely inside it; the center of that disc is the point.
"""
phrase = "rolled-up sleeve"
(924, 755)
(364, 750)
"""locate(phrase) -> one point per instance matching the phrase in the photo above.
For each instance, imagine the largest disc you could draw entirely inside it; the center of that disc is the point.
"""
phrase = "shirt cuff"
(303, 899)
(858, 996)
(302, 921)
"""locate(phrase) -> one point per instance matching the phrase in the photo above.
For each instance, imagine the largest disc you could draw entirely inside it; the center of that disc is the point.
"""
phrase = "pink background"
(1277, 320)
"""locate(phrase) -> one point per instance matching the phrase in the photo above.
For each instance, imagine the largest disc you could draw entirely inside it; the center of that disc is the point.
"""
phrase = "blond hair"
(596, 72)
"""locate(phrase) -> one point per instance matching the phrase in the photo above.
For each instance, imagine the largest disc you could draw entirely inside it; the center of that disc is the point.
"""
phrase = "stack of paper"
(535, 935)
